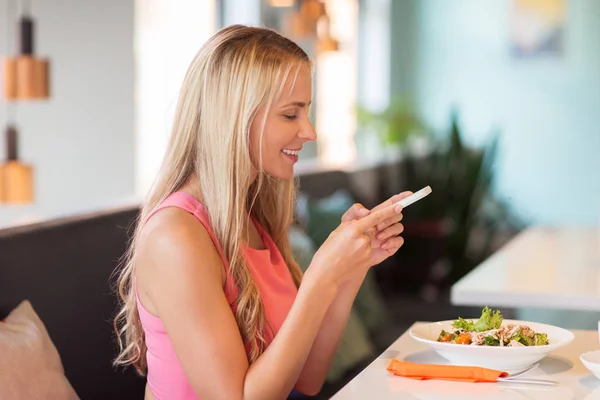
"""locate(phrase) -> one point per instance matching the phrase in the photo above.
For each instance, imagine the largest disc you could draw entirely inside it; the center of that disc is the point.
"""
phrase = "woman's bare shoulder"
(174, 246)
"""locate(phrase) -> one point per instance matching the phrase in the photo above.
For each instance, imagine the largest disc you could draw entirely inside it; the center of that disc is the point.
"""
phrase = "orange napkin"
(445, 372)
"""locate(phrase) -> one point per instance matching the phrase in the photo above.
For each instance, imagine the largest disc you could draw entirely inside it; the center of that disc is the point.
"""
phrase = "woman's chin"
(281, 173)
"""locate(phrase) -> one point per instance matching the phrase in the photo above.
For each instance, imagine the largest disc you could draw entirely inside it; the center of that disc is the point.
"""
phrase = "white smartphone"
(407, 201)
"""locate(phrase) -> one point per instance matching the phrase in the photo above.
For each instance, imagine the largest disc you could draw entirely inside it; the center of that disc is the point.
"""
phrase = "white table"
(553, 268)
(563, 366)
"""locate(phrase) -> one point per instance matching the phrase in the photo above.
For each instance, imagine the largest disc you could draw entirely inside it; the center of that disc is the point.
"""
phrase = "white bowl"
(508, 359)
(591, 360)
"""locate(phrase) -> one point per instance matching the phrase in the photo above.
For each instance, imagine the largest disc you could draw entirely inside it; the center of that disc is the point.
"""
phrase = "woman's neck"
(192, 187)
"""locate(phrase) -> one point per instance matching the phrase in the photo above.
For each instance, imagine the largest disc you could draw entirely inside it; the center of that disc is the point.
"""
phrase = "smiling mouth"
(290, 152)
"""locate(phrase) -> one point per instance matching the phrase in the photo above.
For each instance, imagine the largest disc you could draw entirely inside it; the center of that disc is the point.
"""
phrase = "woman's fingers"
(392, 200)
(389, 222)
(355, 212)
(389, 232)
(375, 217)
(392, 245)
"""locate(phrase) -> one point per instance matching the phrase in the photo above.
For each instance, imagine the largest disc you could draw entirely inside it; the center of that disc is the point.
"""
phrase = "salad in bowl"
(489, 331)
(491, 341)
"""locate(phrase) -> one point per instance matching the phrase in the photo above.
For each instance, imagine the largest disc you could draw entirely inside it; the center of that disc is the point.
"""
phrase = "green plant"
(461, 179)
(394, 125)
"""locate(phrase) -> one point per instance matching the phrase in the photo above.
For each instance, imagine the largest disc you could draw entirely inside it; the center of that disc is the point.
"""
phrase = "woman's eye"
(290, 117)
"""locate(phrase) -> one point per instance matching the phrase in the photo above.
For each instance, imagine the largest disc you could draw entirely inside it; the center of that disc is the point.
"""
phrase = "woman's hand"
(349, 250)
(341, 264)
(385, 239)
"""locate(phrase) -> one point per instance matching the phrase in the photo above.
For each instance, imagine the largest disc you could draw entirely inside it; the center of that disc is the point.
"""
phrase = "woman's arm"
(181, 273)
(328, 339)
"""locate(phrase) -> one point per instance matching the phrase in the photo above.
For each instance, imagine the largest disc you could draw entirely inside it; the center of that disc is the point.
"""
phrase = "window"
(168, 33)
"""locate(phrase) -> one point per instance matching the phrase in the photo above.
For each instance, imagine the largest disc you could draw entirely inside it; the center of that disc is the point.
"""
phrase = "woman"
(212, 301)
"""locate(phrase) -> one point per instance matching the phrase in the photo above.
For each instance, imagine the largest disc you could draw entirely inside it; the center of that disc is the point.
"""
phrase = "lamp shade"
(16, 180)
(26, 76)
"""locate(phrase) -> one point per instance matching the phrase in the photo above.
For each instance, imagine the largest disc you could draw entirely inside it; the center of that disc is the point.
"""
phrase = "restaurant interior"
(495, 105)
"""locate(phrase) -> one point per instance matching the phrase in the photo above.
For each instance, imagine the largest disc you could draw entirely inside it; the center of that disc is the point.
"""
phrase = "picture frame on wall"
(537, 28)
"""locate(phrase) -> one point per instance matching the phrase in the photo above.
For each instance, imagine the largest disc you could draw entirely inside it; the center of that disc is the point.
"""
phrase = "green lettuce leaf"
(541, 339)
(524, 340)
(490, 341)
(487, 321)
(463, 324)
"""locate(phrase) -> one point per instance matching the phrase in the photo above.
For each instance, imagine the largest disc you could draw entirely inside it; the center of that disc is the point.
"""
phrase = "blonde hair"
(228, 81)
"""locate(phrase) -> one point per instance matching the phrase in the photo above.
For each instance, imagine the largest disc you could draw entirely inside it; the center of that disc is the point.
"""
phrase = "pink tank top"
(278, 291)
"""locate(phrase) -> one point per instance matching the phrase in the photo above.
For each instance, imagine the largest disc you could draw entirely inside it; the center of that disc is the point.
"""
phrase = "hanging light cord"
(25, 7)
